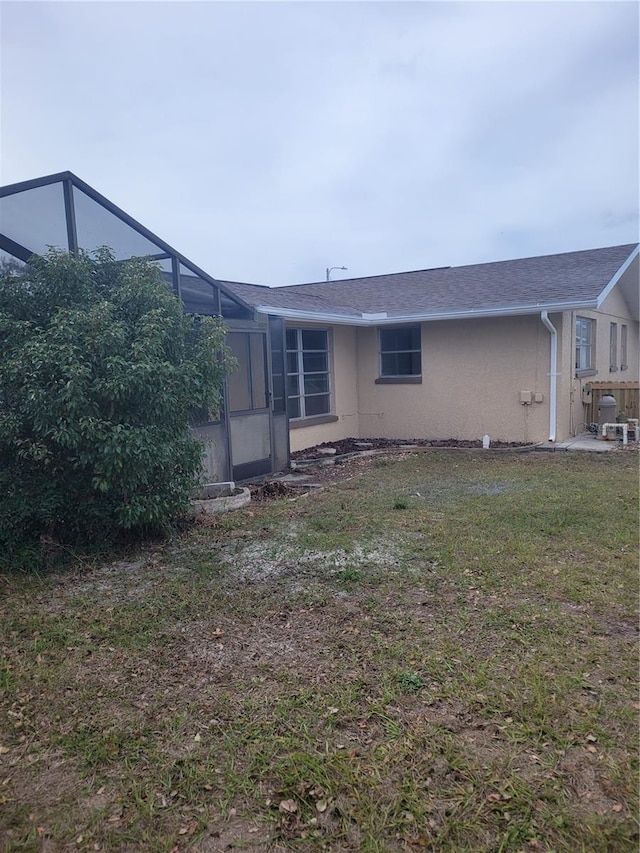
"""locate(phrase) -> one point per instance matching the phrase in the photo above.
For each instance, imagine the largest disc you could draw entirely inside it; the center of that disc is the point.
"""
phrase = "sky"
(267, 141)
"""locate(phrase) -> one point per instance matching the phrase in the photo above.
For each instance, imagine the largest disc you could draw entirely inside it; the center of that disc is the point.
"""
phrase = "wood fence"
(626, 394)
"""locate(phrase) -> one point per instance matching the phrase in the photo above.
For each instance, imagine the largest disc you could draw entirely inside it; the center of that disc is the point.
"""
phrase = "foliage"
(411, 682)
(99, 370)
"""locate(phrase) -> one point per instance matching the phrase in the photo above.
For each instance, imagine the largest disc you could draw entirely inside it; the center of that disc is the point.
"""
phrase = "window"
(613, 347)
(308, 387)
(623, 348)
(584, 343)
(400, 352)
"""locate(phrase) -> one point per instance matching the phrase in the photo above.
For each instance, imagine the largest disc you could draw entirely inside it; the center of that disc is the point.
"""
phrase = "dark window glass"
(315, 362)
(293, 405)
(400, 364)
(292, 339)
(400, 351)
(293, 387)
(584, 343)
(312, 339)
(316, 383)
(316, 405)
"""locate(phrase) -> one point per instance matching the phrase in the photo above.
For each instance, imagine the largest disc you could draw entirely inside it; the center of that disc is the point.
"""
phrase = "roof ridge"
(457, 267)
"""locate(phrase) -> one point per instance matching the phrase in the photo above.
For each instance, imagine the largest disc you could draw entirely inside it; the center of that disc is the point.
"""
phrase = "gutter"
(553, 374)
(384, 319)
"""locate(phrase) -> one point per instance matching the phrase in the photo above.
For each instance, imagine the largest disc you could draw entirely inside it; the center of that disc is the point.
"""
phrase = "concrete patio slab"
(586, 441)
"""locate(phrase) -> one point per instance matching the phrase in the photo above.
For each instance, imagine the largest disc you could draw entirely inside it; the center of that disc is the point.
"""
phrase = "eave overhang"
(616, 278)
(382, 319)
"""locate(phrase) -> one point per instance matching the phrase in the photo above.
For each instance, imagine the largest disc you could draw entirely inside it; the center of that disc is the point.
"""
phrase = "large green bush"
(100, 369)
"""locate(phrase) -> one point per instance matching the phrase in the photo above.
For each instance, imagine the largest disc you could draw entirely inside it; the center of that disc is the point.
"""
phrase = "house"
(507, 349)
(250, 436)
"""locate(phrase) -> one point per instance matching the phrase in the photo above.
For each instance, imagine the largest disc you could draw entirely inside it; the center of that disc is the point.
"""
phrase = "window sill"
(586, 372)
(399, 380)
(316, 421)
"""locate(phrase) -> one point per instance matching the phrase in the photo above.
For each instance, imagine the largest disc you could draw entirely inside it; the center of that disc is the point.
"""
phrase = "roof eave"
(423, 317)
(616, 278)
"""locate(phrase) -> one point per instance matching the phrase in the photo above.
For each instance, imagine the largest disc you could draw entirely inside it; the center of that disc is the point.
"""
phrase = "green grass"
(440, 654)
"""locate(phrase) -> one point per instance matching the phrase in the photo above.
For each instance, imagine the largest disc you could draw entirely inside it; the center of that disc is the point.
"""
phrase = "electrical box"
(526, 397)
(586, 394)
(538, 397)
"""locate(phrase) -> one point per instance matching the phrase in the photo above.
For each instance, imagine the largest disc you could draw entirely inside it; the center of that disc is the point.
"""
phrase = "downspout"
(553, 374)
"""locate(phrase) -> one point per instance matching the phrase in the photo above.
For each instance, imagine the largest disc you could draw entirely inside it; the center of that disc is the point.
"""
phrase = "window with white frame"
(585, 337)
(308, 382)
(400, 352)
(623, 348)
(613, 347)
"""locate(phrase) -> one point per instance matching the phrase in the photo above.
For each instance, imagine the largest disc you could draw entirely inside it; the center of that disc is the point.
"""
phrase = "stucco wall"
(344, 395)
(472, 374)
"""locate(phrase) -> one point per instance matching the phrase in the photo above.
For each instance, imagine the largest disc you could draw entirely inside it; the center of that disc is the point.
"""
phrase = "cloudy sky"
(269, 140)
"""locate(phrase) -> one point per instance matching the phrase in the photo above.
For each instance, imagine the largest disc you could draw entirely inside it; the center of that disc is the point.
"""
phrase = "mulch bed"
(354, 445)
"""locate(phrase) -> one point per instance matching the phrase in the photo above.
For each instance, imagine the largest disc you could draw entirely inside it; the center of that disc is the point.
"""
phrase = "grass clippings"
(439, 653)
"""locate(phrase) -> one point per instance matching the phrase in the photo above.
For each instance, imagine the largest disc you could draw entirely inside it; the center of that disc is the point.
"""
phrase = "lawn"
(439, 653)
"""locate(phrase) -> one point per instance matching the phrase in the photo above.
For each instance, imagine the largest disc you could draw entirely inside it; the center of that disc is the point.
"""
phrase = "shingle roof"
(525, 283)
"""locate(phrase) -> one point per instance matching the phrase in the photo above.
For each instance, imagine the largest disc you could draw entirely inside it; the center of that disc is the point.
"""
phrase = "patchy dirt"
(242, 688)
(275, 558)
(355, 445)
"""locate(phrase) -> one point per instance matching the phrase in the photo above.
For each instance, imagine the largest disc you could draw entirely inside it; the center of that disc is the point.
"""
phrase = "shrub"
(99, 370)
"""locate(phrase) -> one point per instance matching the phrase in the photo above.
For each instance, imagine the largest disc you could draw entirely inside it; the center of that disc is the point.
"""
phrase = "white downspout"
(553, 374)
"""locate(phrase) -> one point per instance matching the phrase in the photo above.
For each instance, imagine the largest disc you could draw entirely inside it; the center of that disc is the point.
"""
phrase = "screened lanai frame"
(63, 211)
(70, 229)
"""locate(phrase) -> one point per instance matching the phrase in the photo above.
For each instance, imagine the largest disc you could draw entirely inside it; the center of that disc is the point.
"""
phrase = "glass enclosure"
(62, 211)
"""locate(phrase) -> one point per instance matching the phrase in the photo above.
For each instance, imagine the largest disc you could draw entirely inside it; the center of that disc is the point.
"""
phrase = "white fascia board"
(625, 266)
(397, 319)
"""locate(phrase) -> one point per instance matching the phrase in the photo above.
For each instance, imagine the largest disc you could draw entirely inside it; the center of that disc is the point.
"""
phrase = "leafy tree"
(99, 370)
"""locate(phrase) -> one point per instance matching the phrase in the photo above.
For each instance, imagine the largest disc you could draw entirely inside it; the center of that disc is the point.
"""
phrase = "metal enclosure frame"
(238, 315)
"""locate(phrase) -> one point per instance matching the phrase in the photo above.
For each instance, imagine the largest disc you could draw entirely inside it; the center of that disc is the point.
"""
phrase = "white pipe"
(553, 374)
(624, 427)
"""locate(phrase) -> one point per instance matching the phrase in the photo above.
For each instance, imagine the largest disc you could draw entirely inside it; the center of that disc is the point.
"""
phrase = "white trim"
(399, 319)
(625, 266)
